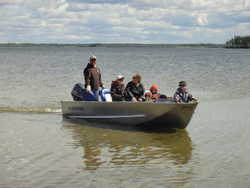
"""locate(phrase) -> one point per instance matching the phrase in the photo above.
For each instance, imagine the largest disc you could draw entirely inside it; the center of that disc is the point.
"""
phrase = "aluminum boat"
(169, 113)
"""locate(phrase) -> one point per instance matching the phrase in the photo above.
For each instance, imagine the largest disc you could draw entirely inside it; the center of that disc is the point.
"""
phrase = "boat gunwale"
(195, 102)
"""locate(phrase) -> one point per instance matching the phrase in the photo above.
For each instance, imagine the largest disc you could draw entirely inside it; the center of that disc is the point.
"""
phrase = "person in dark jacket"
(92, 76)
(134, 90)
(181, 95)
(117, 89)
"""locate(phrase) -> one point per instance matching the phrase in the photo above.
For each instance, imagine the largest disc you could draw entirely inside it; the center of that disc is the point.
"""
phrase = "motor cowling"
(79, 93)
(105, 95)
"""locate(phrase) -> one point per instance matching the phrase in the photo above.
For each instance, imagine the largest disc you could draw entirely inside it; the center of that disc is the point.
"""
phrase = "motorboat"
(167, 113)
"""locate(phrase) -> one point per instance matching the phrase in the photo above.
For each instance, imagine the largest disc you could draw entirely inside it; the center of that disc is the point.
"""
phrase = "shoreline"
(205, 45)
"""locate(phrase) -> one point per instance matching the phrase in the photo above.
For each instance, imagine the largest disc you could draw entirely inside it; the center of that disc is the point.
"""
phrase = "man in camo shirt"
(181, 95)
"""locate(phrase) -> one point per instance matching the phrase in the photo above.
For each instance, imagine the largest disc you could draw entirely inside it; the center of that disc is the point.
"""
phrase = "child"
(154, 90)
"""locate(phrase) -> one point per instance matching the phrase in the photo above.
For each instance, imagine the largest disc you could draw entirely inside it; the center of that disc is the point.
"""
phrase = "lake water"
(39, 149)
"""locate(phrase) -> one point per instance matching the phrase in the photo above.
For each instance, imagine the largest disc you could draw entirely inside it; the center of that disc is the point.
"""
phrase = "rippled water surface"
(41, 150)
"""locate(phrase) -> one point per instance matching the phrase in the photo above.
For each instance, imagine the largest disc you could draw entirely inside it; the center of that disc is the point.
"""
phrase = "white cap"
(92, 57)
(119, 77)
(147, 92)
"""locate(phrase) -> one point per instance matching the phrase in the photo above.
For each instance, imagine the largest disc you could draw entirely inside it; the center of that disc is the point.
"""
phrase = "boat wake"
(30, 110)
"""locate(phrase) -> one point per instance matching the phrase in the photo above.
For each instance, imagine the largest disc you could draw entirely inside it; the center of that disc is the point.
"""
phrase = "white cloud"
(123, 20)
(201, 18)
(11, 1)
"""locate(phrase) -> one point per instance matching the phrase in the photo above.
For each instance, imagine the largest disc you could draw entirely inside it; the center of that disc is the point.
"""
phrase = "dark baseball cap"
(182, 83)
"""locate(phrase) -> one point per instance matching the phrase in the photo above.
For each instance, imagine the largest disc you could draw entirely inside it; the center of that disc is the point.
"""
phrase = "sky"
(123, 21)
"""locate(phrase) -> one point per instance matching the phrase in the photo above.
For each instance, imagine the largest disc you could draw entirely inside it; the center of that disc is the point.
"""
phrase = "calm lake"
(39, 149)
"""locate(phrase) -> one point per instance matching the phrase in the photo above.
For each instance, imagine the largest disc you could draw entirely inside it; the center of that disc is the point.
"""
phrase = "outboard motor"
(79, 93)
(105, 95)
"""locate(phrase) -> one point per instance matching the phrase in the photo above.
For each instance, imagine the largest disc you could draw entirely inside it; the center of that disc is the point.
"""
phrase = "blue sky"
(123, 21)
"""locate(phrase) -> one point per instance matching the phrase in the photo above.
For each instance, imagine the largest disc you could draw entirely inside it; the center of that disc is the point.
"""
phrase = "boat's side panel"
(130, 113)
(121, 112)
(177, 117)
(116, 108)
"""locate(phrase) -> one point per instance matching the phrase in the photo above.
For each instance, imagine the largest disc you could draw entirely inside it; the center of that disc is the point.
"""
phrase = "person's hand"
(88, 88)
(140, 99)
(195, 100)
(178, 102)
(134, 99)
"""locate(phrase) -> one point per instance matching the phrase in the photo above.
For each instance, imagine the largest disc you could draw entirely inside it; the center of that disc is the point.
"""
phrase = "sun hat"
(92, 57)
(119, 77)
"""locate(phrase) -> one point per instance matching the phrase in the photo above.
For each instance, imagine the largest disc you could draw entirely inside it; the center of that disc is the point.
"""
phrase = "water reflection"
(112, 148)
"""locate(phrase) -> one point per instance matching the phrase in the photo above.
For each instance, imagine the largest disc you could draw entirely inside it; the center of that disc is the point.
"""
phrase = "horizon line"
(107, 43)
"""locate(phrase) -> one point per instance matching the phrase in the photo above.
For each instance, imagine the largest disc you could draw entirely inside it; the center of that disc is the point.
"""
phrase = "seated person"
(154, 90)
(117, 89)
(134, 90)
(152, 95)
(181, 95)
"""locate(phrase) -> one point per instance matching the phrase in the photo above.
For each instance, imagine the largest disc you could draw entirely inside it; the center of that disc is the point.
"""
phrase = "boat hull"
(167, 114)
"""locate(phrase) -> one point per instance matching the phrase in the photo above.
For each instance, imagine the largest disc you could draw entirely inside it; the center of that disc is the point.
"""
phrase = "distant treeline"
(111, 45)
(239, 42)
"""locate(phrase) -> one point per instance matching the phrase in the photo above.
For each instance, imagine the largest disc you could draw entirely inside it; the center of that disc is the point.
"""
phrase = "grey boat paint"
(169, 114)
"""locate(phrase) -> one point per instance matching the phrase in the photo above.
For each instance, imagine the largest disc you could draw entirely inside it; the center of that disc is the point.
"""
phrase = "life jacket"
(156, 96)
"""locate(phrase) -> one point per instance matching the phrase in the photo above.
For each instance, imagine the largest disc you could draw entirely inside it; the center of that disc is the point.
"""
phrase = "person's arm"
(100, 79)
(190, 97)
(129, 93)
(114, 91)
(87, 76)
(114, 94)
(142, 91)
(123, 90)
(176, 97)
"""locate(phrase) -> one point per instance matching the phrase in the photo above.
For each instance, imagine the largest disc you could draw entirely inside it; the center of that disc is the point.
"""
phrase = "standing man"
(92, 76)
